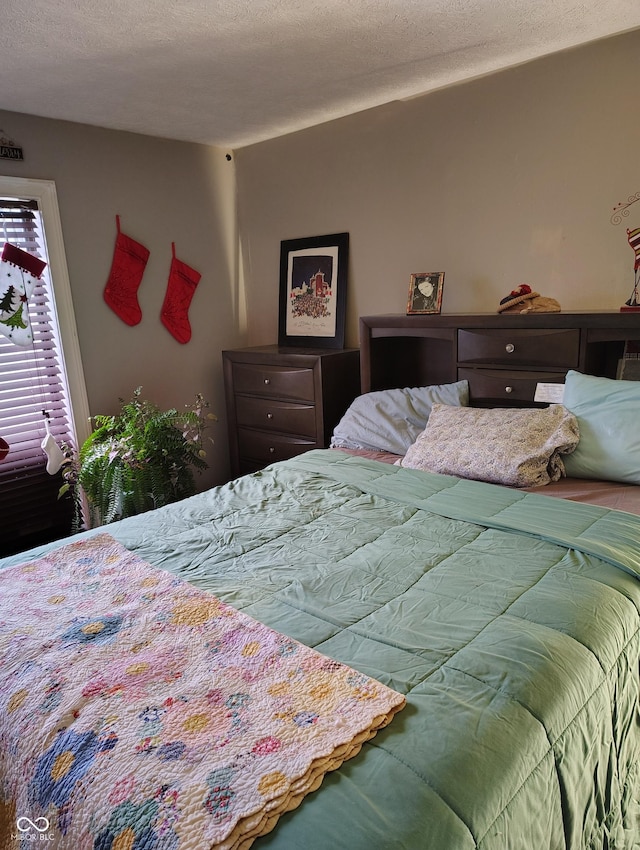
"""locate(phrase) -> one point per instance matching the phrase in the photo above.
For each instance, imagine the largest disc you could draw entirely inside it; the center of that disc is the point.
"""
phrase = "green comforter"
(511, 622)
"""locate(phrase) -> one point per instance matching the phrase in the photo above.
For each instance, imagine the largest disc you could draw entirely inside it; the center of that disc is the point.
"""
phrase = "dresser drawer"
(268, 448)
(269, 415)
(503, 385)
(273, 381)
(520, 348)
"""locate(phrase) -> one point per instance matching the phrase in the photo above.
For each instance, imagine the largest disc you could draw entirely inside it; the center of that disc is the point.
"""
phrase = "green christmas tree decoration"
(15, 320)
(6, 302)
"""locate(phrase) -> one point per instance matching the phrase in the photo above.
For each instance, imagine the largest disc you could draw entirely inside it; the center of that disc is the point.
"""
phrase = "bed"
(502, 627)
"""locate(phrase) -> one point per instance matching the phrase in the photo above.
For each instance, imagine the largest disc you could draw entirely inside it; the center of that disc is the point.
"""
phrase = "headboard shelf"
(502, 356)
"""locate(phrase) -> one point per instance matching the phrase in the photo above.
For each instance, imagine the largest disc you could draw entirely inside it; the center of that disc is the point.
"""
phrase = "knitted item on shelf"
(524, 300)
(127, 267)
(517, 296)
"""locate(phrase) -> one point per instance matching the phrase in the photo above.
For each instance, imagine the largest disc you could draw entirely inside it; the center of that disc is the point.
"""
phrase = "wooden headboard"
(503, 357)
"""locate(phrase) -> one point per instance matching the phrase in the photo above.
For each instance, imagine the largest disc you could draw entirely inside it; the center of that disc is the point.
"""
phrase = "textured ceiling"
(234, 72)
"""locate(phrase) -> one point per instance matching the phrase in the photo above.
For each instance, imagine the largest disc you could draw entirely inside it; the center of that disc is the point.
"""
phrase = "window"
(45, 375)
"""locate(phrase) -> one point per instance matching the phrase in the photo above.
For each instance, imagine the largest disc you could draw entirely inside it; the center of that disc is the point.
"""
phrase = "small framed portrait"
(425, 292)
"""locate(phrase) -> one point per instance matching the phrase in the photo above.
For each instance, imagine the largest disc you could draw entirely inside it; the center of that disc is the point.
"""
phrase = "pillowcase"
(518, 447)
(390, 420)
(608, 414)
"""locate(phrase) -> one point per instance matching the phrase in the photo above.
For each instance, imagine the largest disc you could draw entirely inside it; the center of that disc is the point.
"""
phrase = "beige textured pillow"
(518, 447)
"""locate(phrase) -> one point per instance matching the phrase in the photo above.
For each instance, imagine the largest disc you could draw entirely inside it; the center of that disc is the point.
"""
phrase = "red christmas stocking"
(180, 288)
(127, 267)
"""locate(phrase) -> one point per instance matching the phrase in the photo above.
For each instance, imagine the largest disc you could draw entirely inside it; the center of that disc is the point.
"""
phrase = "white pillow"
(390, 420)
(608, 414)
(518, 447)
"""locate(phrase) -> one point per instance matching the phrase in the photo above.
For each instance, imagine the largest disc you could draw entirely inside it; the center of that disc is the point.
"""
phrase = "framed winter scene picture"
(313, 291)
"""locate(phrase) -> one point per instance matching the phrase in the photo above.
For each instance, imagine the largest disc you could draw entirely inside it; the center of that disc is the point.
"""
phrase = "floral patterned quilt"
(137, 711)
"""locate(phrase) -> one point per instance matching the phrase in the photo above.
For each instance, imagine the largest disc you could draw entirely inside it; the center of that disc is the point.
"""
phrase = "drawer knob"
(269, 415)
(508, 389)
(509, 348)
(267, 380)
(271, 450)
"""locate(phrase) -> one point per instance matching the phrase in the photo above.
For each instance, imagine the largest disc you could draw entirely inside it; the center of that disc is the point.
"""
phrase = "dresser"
(283, 401)
(503, 357)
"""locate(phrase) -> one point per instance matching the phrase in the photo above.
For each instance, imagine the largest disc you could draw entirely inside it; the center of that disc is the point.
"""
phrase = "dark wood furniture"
(283, 401)
(503, 357)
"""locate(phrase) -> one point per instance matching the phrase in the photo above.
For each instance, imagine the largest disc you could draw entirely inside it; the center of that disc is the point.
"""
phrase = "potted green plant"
(141, 459)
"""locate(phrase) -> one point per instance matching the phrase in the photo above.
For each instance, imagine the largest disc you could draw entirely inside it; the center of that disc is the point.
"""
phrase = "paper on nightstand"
(551, 393)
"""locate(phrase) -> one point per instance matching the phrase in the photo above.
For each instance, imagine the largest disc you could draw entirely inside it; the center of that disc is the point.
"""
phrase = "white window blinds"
(32, 385)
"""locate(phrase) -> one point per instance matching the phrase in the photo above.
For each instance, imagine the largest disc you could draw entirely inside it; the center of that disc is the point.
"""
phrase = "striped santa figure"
(634, 240)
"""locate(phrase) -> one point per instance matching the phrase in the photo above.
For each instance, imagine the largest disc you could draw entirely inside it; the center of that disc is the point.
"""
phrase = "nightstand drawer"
(267, 448)
(273, 381)
(497, 385)
(517, 347)
(287, 417)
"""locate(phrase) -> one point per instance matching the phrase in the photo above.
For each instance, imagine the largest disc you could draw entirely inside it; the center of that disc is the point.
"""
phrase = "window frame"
(44, 192)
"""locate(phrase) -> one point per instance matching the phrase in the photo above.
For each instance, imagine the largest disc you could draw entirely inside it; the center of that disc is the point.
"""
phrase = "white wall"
(164, 192)
(505, 180)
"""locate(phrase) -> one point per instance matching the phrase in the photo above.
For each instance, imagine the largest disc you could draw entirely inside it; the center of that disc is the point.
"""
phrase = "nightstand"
(283, 401)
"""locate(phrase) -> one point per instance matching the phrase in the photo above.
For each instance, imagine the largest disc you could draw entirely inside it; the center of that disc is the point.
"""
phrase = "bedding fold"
(604, 532)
